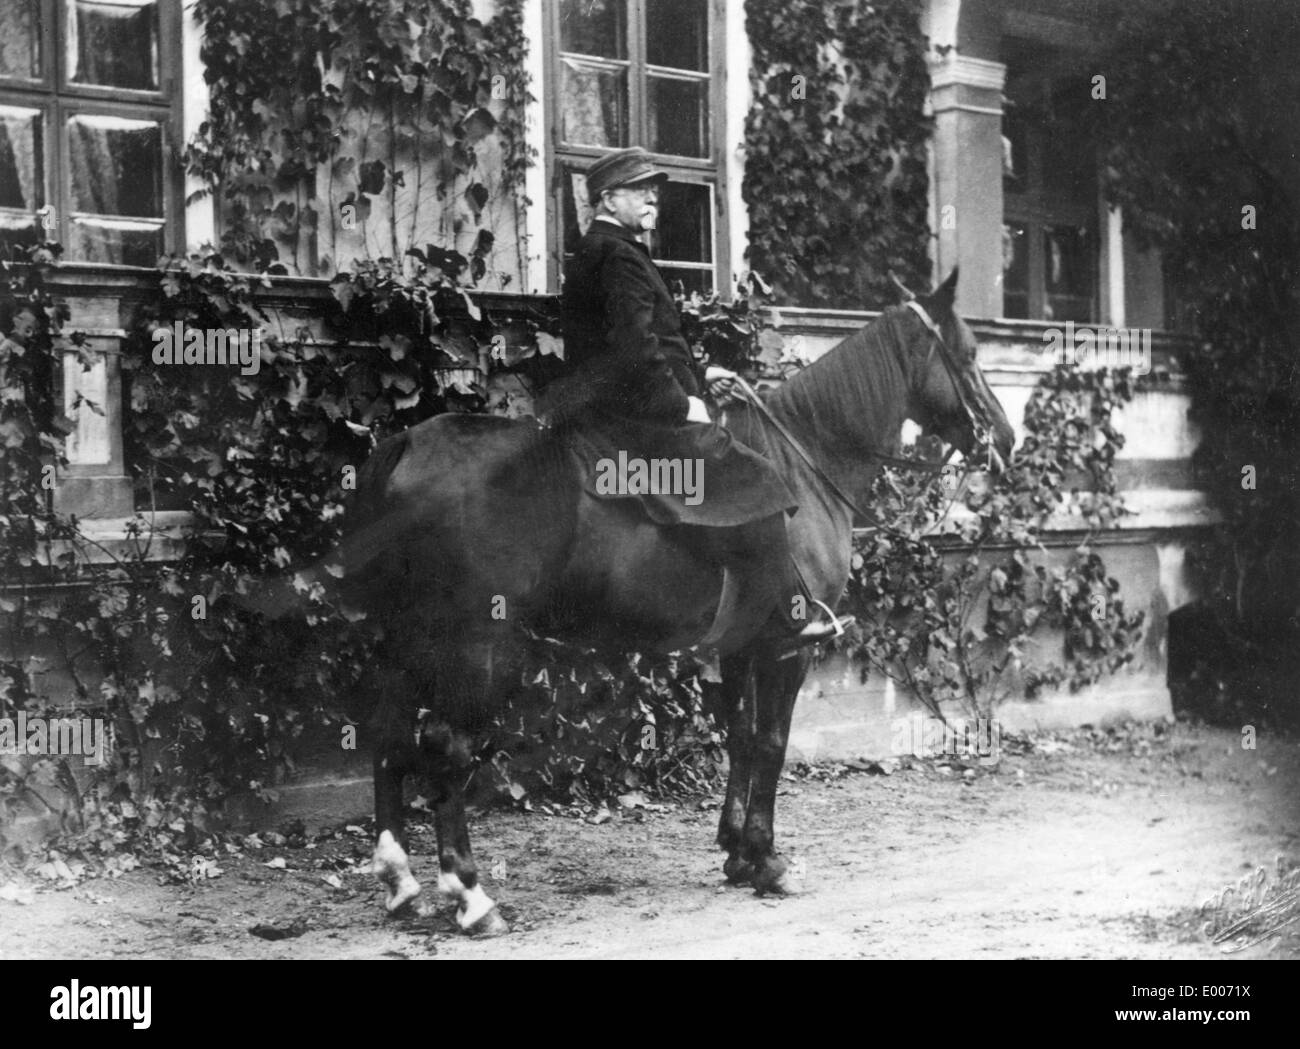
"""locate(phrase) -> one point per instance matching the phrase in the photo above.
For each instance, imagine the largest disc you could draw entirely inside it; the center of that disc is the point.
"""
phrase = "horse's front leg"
(776, 686)
(738, 705)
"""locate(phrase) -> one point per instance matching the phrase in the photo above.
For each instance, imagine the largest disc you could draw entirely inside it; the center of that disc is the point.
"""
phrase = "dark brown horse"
(453, 564)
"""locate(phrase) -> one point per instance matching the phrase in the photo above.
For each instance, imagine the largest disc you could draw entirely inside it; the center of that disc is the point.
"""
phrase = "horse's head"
(949, 395)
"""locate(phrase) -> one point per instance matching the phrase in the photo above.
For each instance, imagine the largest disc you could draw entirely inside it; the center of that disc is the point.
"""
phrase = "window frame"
(710, 171)
(1031, 205)
(1036, 211)
(57, 98)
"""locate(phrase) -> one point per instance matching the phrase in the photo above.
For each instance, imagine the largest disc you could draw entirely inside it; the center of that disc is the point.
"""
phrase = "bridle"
(981, 428)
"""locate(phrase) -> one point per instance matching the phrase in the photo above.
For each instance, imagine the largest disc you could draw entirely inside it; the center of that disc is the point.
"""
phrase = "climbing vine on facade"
(958, 608)
(358, 129)
(1203, 162)
(835, 141)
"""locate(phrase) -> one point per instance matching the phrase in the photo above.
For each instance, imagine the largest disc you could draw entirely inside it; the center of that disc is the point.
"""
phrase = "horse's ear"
(946, 293)
(907, 294)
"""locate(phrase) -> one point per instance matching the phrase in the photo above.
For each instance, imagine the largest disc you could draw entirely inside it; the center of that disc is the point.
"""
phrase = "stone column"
(966, 98)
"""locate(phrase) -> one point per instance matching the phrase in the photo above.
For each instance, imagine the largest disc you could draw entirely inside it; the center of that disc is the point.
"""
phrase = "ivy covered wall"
(352, 130)
(835, 142)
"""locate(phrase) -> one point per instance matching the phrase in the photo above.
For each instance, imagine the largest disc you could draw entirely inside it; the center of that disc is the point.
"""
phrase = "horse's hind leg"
(394, 758)
(738, 703)
(776, 686)
(449, 759)
(391, 864)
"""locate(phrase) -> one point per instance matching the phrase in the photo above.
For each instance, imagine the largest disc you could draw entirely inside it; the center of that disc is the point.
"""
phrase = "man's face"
(635, 207)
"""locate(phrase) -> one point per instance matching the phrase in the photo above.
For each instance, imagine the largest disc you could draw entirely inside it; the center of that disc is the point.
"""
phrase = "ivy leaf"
(452, 263)
(483, 243)
(402, 383)
(342, 289)
(549, 346)
(479, 123)
(398, 346)
(371, 177)
(476, 195)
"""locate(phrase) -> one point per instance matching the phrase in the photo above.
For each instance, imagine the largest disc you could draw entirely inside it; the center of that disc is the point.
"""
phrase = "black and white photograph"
(650, 479)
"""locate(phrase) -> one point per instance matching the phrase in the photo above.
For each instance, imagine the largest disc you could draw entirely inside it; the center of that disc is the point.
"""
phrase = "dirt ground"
(1087, 845)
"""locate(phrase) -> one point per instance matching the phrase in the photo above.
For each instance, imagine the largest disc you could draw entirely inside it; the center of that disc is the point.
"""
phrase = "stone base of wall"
(838, 718)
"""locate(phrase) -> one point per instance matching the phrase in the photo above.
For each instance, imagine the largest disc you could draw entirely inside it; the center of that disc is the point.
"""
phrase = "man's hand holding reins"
(721, 384)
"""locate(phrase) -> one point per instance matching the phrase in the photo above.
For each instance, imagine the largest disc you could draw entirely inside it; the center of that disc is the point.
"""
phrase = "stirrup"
(838, 623)
(817, 632)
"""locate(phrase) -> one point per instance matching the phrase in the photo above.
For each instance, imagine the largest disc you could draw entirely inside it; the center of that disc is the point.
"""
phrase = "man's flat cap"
(621, 169)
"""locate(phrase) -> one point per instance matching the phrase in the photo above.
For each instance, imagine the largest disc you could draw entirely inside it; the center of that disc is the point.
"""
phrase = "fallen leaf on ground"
(280, 932)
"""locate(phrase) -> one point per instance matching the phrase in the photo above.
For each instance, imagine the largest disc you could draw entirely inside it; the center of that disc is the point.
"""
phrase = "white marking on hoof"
(491, 924)
(450, 886)
(475, 905)
(392, 867)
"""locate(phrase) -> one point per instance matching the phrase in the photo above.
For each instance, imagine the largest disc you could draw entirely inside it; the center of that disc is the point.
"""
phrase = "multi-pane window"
(1050, 247)
(87, 113)
(640, 73)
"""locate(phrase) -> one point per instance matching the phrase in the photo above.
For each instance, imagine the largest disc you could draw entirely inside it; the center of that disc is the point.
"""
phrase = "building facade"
(98, 96)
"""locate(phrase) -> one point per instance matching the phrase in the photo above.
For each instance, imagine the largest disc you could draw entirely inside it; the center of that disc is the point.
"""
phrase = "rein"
(890, 460)
(980, 430)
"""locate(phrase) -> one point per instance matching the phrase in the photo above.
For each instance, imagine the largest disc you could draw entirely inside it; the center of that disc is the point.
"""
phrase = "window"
(1050, 247)
(640, 73)
(87, 115)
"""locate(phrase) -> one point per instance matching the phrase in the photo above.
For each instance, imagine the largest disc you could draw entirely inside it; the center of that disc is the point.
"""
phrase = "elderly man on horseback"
(468, 527)
(636, 385)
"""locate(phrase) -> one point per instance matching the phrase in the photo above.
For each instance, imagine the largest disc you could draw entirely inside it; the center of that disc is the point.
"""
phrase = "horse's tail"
(365, 524)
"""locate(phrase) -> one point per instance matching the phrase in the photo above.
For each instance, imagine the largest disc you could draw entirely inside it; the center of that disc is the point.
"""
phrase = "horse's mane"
(852, 390)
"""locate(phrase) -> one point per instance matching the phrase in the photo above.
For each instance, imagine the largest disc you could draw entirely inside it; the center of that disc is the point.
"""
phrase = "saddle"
(691, 474)
(728, 501)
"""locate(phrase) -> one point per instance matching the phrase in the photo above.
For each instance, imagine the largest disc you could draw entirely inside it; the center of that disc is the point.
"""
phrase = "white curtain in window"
(16, 28)
(584, 116)
(20, 144)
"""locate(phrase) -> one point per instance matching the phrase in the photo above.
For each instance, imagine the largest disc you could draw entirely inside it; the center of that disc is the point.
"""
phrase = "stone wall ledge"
(166, 532)
(156, 537)
(1151, 510)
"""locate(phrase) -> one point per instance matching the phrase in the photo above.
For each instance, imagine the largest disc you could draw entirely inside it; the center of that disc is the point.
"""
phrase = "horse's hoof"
(774, 879)
(401, 892)
(738, 871)
(782, 886)
(491, 924)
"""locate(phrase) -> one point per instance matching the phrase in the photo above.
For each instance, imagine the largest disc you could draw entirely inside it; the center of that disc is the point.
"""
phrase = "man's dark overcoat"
(632, 372)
